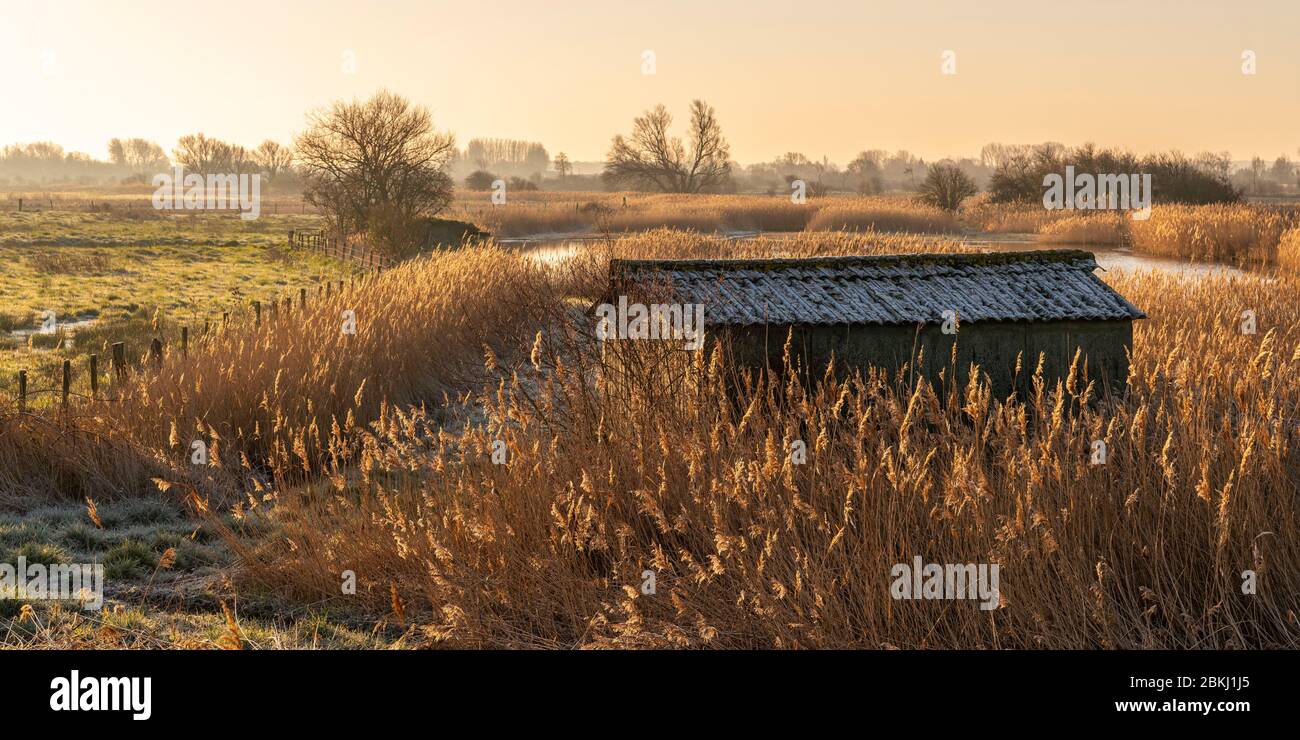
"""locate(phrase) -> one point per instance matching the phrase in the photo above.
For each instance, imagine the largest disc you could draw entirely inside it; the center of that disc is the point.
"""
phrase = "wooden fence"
(103, 381)
(353, 248)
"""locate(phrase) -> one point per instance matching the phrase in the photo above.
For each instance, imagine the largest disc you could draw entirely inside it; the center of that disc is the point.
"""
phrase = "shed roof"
(1041, 285)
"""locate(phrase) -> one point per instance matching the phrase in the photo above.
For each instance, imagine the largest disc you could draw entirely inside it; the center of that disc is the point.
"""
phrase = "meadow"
(106, 277)
(371, 453)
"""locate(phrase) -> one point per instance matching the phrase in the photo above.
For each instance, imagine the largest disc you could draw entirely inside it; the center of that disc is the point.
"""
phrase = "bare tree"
(651, 158)
(507, 155)
(117, 151)
(273, 158)
(1256, 173)
(376, 166)
(197, 153)
(563, 165)
(144, 156)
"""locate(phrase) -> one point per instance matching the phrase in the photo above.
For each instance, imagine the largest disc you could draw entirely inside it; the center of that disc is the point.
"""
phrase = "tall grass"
(1105, 228)
(371, 459)
(549, 548)
(1238, 234)
(903, 216)
(615, 213)
(1288, 250)
(257, 393)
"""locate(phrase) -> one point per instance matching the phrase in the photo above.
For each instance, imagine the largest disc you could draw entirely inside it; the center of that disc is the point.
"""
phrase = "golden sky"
(822, 78)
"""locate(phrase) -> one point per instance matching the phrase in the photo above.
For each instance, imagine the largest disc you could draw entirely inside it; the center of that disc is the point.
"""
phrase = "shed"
(884, 311)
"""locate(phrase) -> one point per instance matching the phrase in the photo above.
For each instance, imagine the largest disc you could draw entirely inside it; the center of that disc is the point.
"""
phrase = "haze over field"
(826, 79)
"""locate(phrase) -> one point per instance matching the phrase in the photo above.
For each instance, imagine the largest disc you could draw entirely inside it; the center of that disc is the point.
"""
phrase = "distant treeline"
(1019, 172)
(1007, 172)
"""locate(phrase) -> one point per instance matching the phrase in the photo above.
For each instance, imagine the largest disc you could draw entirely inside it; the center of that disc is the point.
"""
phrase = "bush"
(480, 180)
(519, 183)
(946, 186)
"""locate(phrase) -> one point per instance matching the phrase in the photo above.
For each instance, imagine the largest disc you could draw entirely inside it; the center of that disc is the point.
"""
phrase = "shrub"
(946, 186)
(480, 180)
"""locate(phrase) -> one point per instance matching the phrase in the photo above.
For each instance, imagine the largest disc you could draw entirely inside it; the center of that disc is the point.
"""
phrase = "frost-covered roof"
(1044, 285)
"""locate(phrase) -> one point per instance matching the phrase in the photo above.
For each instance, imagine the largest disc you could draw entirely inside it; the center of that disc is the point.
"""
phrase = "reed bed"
(1236, 234)
(692, 480)
(374, 452)
(1106, 228)
(617, 213)
(254, 392)
(1288, 250)
(1007, 218)
(896, 216)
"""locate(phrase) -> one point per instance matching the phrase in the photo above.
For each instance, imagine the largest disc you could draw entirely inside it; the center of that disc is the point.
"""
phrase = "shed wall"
(993, 346)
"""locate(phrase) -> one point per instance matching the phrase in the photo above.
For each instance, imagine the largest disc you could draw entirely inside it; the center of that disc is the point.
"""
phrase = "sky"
(821, 78)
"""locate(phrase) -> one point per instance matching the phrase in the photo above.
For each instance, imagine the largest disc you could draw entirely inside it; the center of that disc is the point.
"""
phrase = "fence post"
(67, 383)
(22, 391)
(119, 359)
(302, 297)
(20, 205)
(94, 375)
(257, 313)
(185, 341)
(155, 351)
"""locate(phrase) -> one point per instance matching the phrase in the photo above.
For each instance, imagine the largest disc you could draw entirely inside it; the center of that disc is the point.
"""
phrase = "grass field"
(130, 279)
(369, 453)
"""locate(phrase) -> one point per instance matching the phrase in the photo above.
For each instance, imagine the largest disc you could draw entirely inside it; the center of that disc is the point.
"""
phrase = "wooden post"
(257, 313)
(119, 360)
(185, 341)
(329, 286)
(94, 375)
(20, 205)
(67, 382)
(22, 391)
(155, 351)
(225, 319)
(302, 297)
(275, 309)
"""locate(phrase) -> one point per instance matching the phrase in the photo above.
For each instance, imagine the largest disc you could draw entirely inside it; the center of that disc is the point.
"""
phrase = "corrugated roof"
(1043, 285)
